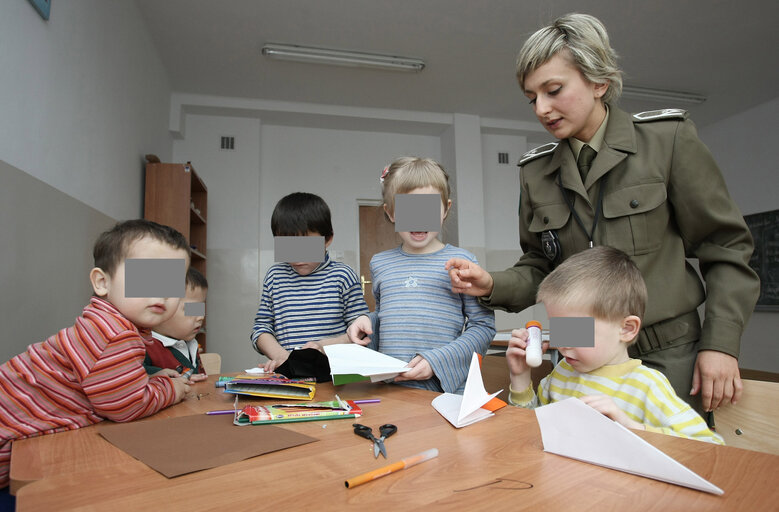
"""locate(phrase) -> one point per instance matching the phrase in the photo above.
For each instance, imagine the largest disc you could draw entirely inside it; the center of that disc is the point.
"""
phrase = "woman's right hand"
(360, 330)
(469, 278)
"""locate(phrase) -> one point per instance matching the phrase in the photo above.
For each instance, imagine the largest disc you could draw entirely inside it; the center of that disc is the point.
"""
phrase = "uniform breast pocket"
(638, 217)
(549, 216)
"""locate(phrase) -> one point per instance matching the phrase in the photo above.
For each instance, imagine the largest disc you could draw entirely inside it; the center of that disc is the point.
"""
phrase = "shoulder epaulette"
(537, 152)
(656, 115)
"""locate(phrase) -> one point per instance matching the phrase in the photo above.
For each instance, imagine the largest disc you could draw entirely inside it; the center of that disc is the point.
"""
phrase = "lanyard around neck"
(598, 208)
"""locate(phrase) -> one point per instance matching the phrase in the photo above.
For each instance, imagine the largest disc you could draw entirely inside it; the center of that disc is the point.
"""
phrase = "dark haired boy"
(174, 350)
(304, 304)
(93, 370)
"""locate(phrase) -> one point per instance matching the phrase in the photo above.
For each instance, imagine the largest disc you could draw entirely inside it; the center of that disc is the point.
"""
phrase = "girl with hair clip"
(643, 183)
(418, 318)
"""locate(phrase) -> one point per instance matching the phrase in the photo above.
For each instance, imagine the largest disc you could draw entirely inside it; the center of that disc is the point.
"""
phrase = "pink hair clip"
(384, 174)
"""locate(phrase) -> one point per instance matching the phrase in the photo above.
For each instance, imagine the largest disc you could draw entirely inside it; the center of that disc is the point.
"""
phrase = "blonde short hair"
(603, 280)
(408, 173)
(582, 39)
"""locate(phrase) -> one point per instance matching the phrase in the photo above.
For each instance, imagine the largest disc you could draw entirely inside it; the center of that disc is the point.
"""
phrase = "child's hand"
(272, 364)
(469, 278)
(180, 387)
(314, 345)
(605, 405)
(166, 372)
(198, 377)
(360, 330)
(515, 353)
(420, 370)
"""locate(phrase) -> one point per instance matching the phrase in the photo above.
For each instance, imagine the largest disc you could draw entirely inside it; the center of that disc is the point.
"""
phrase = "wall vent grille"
(227, 143)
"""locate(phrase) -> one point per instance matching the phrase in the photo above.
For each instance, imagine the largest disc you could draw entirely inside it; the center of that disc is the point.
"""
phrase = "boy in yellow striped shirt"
(605, 284)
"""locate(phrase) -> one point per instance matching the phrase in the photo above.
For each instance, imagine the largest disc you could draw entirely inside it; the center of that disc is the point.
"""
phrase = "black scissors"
(378, 444)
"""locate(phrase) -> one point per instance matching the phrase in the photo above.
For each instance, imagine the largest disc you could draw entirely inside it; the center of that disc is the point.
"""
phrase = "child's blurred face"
(610, 347)
(180, 326)
(564, 101)
(422, 242)
(147, 312)
(305, 268)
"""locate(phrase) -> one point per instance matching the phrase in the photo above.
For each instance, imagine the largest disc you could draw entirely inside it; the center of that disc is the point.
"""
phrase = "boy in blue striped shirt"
(308, 304)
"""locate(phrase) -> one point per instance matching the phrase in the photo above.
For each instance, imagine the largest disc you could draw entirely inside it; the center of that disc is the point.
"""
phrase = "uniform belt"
(669, 333)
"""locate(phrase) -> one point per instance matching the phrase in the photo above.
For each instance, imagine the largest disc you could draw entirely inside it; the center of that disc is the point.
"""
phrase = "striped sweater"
(297, 309)
(642, 393)
(418, 314)
(77, 377)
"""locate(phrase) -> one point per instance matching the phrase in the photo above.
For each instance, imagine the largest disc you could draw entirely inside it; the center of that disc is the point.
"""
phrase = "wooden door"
(377, 234)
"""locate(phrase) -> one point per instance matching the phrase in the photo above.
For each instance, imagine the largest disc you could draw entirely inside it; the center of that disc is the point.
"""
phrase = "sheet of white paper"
(464, 410)
(350, 358)
(573, 429)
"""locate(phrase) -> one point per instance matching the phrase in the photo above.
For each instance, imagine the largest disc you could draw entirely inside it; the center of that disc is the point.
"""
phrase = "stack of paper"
(353, 363)
(573, 429)
(463, 410)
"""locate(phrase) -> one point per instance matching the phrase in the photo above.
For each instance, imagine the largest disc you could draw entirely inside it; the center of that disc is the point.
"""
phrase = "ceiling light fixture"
(645, 93)
(315, 55)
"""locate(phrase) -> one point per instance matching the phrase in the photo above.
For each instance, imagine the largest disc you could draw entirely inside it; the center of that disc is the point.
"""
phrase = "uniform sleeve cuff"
(721, 335)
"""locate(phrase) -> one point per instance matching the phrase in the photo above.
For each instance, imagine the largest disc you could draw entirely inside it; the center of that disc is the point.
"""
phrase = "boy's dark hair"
(300, 213)
(112, 246)
(195, 279)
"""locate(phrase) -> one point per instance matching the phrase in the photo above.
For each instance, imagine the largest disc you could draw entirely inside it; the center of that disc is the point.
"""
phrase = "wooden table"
(497, 464)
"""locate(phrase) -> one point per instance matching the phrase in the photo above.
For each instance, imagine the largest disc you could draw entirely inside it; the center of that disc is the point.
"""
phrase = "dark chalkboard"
(765, 260)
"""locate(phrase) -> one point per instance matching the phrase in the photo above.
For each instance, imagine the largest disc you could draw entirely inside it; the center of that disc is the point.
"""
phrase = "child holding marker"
(605, 284)
(174, 346)
(93, 370)
(304, 304)
(418, 318)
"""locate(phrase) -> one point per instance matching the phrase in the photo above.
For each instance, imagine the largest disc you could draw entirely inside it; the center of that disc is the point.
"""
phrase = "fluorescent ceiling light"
(341, 57)
(645, 93)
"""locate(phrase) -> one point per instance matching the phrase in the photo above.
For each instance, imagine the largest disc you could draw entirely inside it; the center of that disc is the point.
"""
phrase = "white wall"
(501, 204)
(745, 148)
(341, 166)
(83, 97)
(233, 183)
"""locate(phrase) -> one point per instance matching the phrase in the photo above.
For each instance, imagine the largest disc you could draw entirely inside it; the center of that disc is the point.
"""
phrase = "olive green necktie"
(586, 156)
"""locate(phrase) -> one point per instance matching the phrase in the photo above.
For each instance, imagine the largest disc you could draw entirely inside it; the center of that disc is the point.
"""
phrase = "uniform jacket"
(664, 200)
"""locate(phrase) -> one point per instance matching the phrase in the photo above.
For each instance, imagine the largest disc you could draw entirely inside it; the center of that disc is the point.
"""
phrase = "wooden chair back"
(753, 423)
(212, 362)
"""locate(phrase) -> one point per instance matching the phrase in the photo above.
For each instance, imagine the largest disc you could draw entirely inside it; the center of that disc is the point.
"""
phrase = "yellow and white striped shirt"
(642, 393)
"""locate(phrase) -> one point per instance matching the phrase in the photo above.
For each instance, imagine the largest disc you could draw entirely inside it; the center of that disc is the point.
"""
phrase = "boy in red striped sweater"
(93, 370)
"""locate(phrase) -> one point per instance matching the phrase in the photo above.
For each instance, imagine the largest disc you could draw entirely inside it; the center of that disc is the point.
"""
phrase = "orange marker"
(397, 466)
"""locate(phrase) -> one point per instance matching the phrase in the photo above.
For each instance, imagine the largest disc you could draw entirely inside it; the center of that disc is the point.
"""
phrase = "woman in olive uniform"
(652, 190)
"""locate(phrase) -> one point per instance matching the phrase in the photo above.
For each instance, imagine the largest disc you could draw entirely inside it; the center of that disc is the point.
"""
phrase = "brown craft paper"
(177, 446)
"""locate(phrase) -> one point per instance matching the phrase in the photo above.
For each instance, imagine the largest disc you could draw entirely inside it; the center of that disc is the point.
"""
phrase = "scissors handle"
(387, 430)
(363, 431)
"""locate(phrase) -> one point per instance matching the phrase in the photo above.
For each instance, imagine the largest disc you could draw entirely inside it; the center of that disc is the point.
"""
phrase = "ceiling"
(726, 50)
